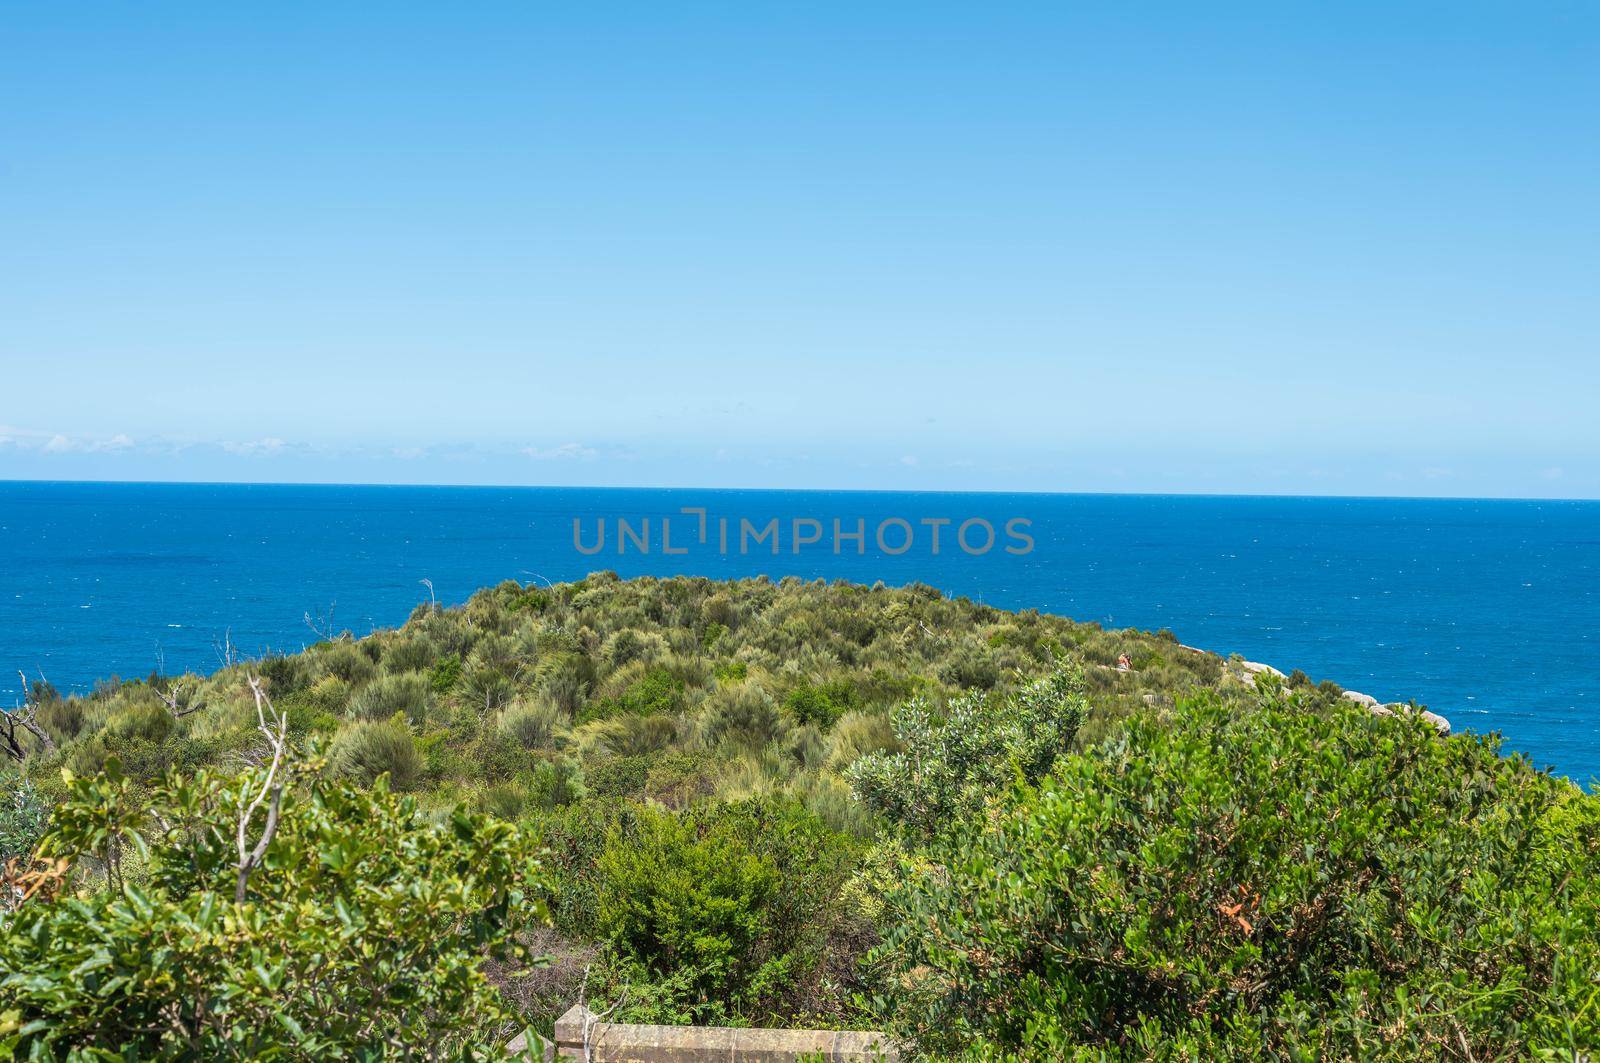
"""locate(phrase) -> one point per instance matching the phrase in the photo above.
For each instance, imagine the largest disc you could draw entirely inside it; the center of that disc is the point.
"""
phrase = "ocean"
(1485, 611)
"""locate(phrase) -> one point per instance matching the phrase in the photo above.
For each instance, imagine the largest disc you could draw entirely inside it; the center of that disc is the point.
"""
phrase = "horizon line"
(799, 490)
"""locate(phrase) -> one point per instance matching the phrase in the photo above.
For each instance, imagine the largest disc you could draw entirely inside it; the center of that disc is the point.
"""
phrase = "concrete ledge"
(623, 1043)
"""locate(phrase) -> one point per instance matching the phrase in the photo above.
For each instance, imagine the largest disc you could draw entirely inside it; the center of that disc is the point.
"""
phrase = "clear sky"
(1273, 247)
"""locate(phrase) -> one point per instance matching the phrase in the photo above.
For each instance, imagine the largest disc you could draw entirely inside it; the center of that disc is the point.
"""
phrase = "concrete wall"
(622, 1043)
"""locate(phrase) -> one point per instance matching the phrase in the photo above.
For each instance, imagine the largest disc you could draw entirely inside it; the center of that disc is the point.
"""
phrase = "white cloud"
(566, 451)
(255, 447)
(65, 444)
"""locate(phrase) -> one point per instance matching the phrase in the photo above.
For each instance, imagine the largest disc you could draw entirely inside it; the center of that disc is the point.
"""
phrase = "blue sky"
(1271, 248)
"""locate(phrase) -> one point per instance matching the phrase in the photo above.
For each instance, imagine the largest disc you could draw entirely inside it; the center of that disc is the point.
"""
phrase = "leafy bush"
(530, 724)
(685, 692)
(485, 688)
(657, 692)
(1274, 883)
(950, 766)
(819, 705)
(555, 783)
(725, 902)
(346, 661)
(23, 815)
(445, 674)
(361, 936)
(743, 713)
(408, 694)
(414, 654)
(366, 750)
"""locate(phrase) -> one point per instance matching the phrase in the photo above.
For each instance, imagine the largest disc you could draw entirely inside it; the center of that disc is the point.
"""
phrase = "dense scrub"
(362, 933)
(807, 803)
(1261, 882)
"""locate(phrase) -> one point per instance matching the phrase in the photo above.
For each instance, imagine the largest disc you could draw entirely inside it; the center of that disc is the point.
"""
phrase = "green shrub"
(970, 668)
(366, 750)
(531, 725)
(627, 736)
(148, 720)
(565, 680)
(743, 714)
(659, 692)
(335, 953)
(555, 784)
(445, 674)
(485, 688)
(679, 778)
(284, 675)
(617, 776)
(713, 632)
(416, 653)
(1266, 883)
(346, 661)
(728, 902)
(950, 767)
(329, 694)
(62, 717)
(23, 815)
(407, 694)
(820, 705)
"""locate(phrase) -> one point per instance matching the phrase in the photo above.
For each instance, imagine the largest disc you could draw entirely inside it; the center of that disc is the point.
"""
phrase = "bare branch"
(274, 726)
(322, 624)
(26, 717)
(180, 700)
(225, 649)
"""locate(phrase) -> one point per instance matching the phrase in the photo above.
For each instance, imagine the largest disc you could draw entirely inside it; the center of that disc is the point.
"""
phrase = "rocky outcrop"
(1248, 670)
(1399, 708)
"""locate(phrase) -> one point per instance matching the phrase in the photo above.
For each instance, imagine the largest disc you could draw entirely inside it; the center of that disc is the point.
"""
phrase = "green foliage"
(345, 661)
(361, 936)
(743, 714)
(445, 674)
(725, 903)
(407, 694)
(367, 750)
(23, 815)
(531, 725)
(642, 722)
(658, 692)
(1250, 883)
(949, 766)
(819, 705)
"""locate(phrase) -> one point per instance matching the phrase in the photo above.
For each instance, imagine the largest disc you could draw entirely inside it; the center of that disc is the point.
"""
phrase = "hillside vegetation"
(993, 833)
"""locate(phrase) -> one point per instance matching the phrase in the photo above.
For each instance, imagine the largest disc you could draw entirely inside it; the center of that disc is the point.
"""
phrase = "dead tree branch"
(274, 726)
(26, 717)
(322, 624)
(181, 700)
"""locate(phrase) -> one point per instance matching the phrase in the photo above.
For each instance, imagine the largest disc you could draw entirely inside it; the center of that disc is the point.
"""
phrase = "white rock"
(1440, 724)
(1362, 699)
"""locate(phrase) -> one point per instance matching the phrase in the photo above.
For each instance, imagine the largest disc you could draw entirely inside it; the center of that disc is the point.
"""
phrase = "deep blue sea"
(1486, 611)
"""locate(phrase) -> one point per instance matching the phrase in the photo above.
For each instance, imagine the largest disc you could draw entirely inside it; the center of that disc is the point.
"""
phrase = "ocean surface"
(1485, 611)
